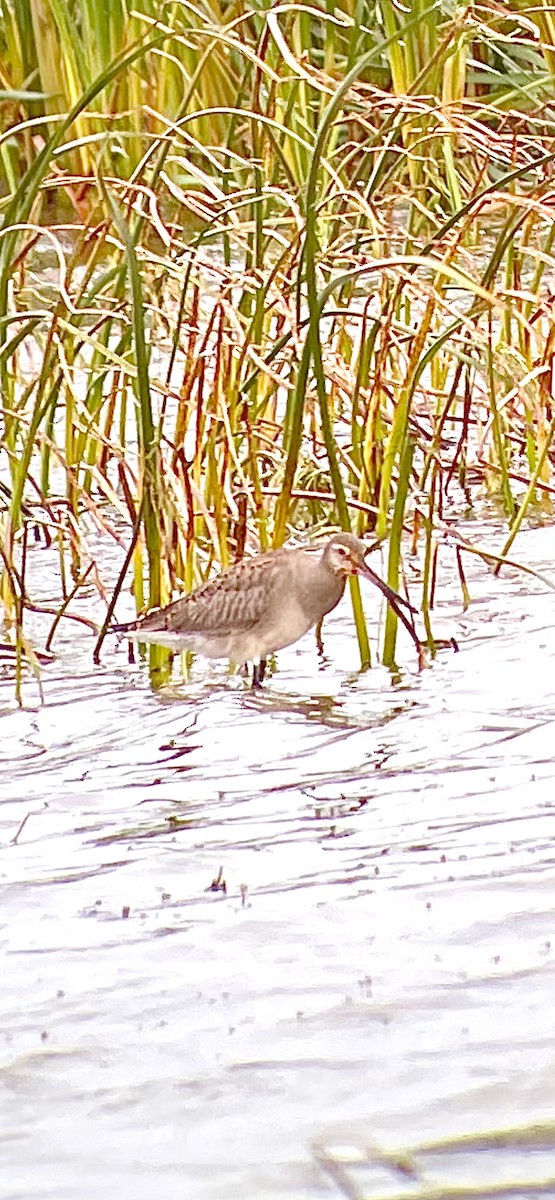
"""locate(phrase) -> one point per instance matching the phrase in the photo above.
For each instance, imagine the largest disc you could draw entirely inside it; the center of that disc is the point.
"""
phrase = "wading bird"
(262, 604)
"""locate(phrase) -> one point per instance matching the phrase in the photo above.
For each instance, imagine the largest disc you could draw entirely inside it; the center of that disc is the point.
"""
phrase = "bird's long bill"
(397, 602)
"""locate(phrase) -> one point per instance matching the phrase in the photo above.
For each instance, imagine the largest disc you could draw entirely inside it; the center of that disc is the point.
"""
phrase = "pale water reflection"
(379, 971)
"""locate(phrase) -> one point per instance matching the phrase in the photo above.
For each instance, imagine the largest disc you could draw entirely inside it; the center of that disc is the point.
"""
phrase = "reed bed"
(265, 270)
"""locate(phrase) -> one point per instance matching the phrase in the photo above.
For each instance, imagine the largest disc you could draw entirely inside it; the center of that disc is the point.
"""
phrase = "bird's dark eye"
(342, 551)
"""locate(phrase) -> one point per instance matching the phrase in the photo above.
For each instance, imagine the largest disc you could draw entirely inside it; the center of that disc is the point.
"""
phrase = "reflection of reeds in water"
(282, 299)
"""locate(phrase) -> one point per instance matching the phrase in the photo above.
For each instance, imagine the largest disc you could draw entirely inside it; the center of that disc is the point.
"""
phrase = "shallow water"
(378, 973)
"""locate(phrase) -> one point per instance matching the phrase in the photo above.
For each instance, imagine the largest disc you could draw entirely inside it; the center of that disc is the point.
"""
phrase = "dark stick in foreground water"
(263, 603)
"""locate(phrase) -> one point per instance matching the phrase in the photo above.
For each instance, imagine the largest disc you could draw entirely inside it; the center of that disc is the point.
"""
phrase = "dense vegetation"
(271, 266)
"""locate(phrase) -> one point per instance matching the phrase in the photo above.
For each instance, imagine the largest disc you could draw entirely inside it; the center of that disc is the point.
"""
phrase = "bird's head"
(345, 555)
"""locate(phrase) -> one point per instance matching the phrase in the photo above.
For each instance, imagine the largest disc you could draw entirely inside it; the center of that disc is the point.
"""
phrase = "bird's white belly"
(240, 646)
(224, 645)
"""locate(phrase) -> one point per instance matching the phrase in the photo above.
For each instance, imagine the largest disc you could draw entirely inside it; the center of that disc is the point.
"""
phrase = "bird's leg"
(258, 672)
(318, 635)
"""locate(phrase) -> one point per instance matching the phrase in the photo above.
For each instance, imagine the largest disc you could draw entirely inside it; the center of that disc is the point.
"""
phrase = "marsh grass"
(259, 273)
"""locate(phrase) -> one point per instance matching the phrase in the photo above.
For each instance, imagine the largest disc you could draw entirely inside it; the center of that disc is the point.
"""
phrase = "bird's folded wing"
(234, 601)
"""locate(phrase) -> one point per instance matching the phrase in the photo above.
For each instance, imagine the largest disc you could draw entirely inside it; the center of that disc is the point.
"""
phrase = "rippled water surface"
(378, 975)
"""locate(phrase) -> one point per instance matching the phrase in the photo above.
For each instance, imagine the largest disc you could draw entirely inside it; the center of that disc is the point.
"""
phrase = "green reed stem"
(394, 558)
(152, 517)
